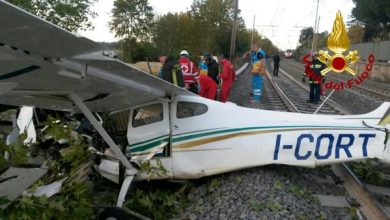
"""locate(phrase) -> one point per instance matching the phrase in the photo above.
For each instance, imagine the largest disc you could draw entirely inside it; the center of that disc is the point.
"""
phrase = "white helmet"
(184, 53)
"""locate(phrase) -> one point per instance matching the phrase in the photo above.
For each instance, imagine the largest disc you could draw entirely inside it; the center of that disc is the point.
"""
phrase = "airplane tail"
(385, 122)
(379, 119)
(386, 118)
(380, 116)
(382, 112)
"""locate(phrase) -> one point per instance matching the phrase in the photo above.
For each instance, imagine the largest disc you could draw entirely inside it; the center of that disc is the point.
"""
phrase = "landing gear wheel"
(113, 213)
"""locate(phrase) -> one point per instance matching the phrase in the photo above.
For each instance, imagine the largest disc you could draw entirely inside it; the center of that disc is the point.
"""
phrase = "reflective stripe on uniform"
(174, 77)
(316, 66)
(256, 92)
(188, 75)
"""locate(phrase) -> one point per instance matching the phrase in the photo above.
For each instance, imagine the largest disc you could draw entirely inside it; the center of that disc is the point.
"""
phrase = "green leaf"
(43, 200)
(83, 211)
(71, 15)
(278, 185)
(56, 205)
(4, 200)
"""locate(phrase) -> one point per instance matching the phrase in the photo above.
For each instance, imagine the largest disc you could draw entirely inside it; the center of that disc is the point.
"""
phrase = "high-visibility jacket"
(314, 72)
(258, 67)
(189, 70)
(203, 68)
(171, 72)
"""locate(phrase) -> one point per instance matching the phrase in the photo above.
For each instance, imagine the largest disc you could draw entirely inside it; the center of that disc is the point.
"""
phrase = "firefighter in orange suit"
(227, 75)
(208, 88)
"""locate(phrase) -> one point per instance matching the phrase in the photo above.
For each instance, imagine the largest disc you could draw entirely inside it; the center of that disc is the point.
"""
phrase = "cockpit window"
(190, 109)
(147, 115)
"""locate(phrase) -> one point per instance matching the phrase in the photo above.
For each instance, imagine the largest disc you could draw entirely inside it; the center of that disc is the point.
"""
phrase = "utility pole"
(315, 28)
(234, 31)
(253, 32)
(316, 31)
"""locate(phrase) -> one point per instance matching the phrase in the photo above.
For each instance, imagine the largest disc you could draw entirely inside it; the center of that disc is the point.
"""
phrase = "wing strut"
(99, 128)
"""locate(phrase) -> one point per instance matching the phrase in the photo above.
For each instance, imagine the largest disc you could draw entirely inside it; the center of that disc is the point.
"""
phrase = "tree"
(132, 20)
(206, 27)
(355, 33)
(175, 32)
(143, 51)
(306, 35)
(265, 44)
(214, 19)
(72, 15)
(375, 15)
(214, 23)
(306, 40)
(321, 40)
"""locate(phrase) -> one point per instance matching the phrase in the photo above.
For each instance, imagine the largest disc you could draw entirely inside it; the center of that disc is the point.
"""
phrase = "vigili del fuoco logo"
(338, 43)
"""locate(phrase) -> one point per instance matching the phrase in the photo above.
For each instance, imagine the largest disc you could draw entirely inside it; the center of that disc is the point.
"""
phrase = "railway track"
(277, 191)
(297, 95)
(294, 97)
(276, 98)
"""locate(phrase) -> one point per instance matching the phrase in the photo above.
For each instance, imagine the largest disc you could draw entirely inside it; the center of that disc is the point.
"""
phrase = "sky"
(278, 20)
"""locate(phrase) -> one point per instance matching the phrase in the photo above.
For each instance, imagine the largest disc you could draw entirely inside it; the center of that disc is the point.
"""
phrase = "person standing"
(226, 76)
(253, 59)
(276, 64)
(212, 66)
(203, 68)
(313, 71)
(162, 60)
(190, 72)
(171, 72)
(258, 71)
(208, 87)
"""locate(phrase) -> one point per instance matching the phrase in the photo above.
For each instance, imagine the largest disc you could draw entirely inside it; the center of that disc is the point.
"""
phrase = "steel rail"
(287, 102)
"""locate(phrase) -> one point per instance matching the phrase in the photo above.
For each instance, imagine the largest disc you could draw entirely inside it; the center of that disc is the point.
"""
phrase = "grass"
(158, 202)
(270, 204)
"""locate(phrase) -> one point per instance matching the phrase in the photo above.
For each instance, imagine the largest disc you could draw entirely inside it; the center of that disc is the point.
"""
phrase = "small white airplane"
(45, 66)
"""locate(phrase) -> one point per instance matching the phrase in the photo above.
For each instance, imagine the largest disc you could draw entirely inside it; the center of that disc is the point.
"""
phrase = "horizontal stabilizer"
(386, 118)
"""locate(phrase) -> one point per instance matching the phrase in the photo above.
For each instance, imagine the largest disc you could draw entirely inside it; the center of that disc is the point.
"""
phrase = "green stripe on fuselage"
(180, 137)
(187, 137)
(150, 145)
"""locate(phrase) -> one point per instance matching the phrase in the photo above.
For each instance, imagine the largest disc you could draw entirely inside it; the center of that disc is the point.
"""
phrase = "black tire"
(113, 213)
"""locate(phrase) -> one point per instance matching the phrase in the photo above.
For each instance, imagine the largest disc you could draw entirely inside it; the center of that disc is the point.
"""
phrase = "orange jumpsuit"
(227, 75)
(208, 88)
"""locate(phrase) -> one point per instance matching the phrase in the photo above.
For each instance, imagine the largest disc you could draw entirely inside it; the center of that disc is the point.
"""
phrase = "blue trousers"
(257, 87)
(315, 89)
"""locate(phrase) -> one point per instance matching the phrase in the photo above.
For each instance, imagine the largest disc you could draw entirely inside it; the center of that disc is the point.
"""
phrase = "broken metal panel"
(19, 180)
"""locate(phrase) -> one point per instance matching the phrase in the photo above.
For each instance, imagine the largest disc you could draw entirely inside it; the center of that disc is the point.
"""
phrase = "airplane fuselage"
(225, 137)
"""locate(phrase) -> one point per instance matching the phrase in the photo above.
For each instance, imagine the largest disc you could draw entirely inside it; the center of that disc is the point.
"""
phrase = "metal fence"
(381, 50)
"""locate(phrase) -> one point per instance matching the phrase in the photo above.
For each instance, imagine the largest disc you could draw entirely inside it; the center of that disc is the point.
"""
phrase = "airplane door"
(149, 131)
